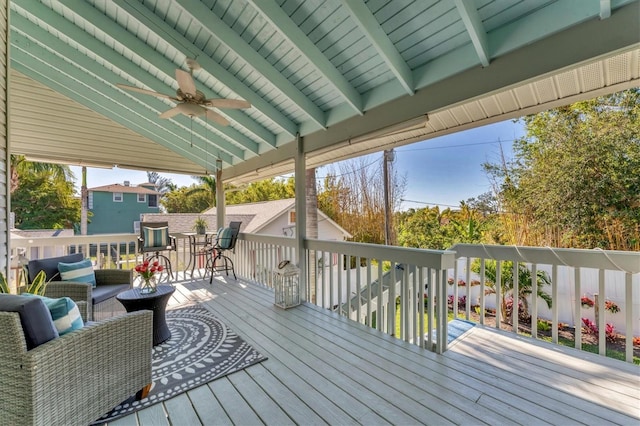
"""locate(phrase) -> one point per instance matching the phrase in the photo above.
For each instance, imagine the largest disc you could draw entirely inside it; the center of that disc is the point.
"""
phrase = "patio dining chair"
(154, 240)
(225, 242)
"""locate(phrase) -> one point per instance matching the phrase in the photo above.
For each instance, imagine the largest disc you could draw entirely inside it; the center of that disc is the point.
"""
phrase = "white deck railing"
(355, 292)
(386, 291)
(613, 275)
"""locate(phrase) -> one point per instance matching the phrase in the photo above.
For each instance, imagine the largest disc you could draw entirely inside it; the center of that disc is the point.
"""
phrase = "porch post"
(220, 207)
(301, 214)
(5, 151)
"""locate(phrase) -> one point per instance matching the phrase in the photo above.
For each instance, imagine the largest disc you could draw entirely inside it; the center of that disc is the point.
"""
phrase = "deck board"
(325, 369)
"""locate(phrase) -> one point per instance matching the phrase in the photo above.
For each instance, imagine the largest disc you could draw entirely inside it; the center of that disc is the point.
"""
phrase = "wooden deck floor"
(324, 369)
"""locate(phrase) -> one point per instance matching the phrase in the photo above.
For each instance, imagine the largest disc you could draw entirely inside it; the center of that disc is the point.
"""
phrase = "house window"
(90, 200)
(153, 200)
(142, 198)
(117, 197)
(292, 217)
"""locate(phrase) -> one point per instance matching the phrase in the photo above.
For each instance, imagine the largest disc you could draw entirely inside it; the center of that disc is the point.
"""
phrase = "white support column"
(301, 214)
(220, 206)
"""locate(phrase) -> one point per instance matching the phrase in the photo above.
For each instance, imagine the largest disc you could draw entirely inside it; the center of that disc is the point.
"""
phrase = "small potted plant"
(200, 226)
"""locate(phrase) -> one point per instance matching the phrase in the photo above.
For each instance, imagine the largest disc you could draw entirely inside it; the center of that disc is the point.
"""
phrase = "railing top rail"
(268, 239)
(626, 261)
(439, 259)
(72, 239)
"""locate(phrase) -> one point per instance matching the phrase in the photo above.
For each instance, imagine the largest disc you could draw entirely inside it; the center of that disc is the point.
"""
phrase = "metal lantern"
(287, 287)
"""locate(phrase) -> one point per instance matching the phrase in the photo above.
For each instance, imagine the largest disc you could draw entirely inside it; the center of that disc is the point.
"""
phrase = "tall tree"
(21, 166)
(185, 200)
(353, 196)
(575, 178)
(206, 187)
(163, 184)
(264, 190)
(44, 201)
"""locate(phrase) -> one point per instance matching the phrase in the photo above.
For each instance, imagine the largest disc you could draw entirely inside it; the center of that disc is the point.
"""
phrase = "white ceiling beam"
(77, 73)
(605, 9)
(62, 25)
(21, 62)
(218, 29)
(561, 50)
(86, 11)
(369, 25)
(475, 29)
(156, 25)
(297, 38)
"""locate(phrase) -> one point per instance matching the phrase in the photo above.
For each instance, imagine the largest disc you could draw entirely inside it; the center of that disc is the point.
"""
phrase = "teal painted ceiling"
(328, 70)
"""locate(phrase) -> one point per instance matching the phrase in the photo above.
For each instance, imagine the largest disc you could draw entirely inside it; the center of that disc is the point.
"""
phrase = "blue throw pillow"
(156, 237)
(225, 237)
(34, 316)
(81, 272)
(64, 312)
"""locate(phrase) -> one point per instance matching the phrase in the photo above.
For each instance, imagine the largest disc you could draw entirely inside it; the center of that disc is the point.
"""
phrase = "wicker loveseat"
(75, 378)
(95, 303)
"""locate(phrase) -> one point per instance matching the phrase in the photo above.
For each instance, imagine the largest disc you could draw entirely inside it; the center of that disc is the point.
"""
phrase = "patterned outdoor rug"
(201, 349)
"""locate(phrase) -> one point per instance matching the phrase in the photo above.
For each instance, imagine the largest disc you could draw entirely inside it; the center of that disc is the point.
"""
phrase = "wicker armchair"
(94, 303)
(76, 378)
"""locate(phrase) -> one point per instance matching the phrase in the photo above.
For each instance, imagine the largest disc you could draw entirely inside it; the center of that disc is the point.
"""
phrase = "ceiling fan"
(190, 101)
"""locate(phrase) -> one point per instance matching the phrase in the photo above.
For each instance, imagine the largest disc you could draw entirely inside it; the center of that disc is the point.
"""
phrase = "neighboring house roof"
(265, 212)
(116, 187)
(254, 216)
(183, 222)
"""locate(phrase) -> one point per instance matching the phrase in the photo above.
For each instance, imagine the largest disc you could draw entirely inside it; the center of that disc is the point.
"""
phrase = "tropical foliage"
(525, 287)
(575, 178)
(44, 198)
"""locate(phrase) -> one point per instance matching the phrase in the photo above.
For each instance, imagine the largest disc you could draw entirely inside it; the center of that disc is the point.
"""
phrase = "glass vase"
(148, 285)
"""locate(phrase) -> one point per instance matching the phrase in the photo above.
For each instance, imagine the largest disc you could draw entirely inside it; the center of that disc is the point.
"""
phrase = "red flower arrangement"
(147, 269)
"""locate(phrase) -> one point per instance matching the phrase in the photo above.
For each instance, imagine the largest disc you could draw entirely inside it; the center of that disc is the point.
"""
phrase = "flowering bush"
(586, 302)
(608, 304)
(147, 269)
(592, 328)
(611, 307)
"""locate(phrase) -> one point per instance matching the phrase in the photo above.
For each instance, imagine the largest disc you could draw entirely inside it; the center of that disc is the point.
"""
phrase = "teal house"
(118, 208)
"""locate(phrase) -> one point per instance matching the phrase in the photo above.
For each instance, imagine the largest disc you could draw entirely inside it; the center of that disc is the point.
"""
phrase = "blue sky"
(441, 171)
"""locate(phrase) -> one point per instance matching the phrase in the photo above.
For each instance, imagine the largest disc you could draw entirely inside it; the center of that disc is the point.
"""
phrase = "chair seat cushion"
(50, 266)
(35, 318)
(64, 312)
(81, 272)
(104, 292)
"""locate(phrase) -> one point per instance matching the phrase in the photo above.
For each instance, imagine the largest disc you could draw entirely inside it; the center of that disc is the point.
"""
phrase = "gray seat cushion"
(104, 292)
(50, 266)
(35, 318)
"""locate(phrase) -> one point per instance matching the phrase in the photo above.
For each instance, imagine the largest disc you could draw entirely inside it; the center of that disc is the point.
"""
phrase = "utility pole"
(389, 156)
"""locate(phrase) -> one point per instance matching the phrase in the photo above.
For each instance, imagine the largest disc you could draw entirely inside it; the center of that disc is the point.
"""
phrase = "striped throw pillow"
(156, 237)
(81, 272)
(64, 312)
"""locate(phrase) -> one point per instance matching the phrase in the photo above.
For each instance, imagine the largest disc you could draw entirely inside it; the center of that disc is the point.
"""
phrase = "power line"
(428, 204)
(456, 146)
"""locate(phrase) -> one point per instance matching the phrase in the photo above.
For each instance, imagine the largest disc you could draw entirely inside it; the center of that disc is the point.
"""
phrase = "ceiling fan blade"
(185, 82)
(145, 91)
(216, 118)
(227, 103)
(170, 113)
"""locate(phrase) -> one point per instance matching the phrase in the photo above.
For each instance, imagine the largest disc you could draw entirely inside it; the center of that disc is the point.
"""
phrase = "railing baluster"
(534, 300)
(577, 306)
(498, 288)
(628, 317)
(468, 293)
(601, 323)
(482, 289)
(554, 307)
(515, 296)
